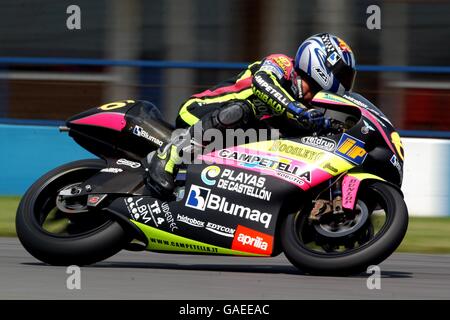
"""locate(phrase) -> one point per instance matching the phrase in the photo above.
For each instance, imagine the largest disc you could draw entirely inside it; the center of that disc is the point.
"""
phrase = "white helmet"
(328, 60)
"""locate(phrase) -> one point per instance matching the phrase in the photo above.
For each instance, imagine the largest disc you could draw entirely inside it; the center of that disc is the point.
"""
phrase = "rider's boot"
(163, 164)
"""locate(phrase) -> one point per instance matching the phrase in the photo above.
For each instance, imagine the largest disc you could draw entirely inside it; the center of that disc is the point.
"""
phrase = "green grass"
(425, 235)
(8, 207)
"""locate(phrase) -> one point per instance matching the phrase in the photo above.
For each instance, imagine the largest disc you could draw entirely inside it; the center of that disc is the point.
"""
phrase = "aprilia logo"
(249, 240)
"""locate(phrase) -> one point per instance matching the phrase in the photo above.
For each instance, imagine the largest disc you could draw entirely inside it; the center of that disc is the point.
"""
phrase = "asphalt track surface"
(144, 275)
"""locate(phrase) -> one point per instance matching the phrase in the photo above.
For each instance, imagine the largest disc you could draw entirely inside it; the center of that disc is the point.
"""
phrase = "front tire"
(296, 235)
(101, 240)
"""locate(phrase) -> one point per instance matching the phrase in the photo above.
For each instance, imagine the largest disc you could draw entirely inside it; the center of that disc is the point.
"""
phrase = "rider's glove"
(311, 118)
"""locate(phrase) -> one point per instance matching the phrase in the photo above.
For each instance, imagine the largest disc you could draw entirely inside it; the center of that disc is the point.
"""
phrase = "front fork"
(343, 191)
(333, 204)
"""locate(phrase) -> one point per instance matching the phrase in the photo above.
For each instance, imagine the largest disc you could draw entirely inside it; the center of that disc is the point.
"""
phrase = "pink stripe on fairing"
(375, 121)
(350, 187)
(368, 115)
(111, 120)
(330, 102)
(238, 86)
(317, 175)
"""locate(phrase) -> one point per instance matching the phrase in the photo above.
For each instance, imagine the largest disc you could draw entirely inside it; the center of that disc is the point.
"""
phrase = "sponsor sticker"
(272, 68)
(350, 186)
(111, 170)
(190, 221)
(296, 150)
(140, 132)
(169, 216)
(197, 197)
(397, 165)
(221, 230)
(320, 142)
(361, 104)
(351, 149)
(249, 240)
(241, 182)
(201, 198)
(281, 166)
(333, 58)
(209, 174)
(141, 211)
(131, 164)
(274, 92)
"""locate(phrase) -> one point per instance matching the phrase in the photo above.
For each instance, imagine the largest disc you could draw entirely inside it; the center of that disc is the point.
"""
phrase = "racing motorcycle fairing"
(120, 176)
(372, 136)
(125, 128)
(296, 161)
(211, 216)
(232, 201)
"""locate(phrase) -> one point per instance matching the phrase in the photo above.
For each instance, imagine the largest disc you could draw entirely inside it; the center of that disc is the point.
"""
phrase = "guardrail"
(192, 64)
(60, 61)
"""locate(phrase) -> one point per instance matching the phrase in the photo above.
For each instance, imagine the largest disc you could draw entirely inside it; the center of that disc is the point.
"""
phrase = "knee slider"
(234, 115)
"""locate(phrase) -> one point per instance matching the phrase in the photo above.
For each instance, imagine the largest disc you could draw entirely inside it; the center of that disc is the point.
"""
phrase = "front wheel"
(57, 238)
(378, 225)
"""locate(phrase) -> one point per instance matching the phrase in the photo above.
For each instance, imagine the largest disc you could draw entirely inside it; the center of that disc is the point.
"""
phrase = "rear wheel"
(364, 237)
(61, 238)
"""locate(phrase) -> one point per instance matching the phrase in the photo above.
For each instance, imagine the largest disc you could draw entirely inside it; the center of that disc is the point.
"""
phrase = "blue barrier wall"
(27, 152)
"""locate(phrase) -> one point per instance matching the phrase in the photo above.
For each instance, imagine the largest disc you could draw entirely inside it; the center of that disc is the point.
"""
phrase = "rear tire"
(355, 260)
(86, 248)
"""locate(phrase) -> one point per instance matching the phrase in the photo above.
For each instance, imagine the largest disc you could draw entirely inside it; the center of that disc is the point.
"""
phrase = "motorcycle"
(330, 201)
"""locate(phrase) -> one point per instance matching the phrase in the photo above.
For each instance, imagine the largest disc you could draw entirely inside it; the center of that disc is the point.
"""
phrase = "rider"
(277, 86)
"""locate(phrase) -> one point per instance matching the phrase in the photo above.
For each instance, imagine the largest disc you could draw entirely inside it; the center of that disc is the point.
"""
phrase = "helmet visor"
(345, 74)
